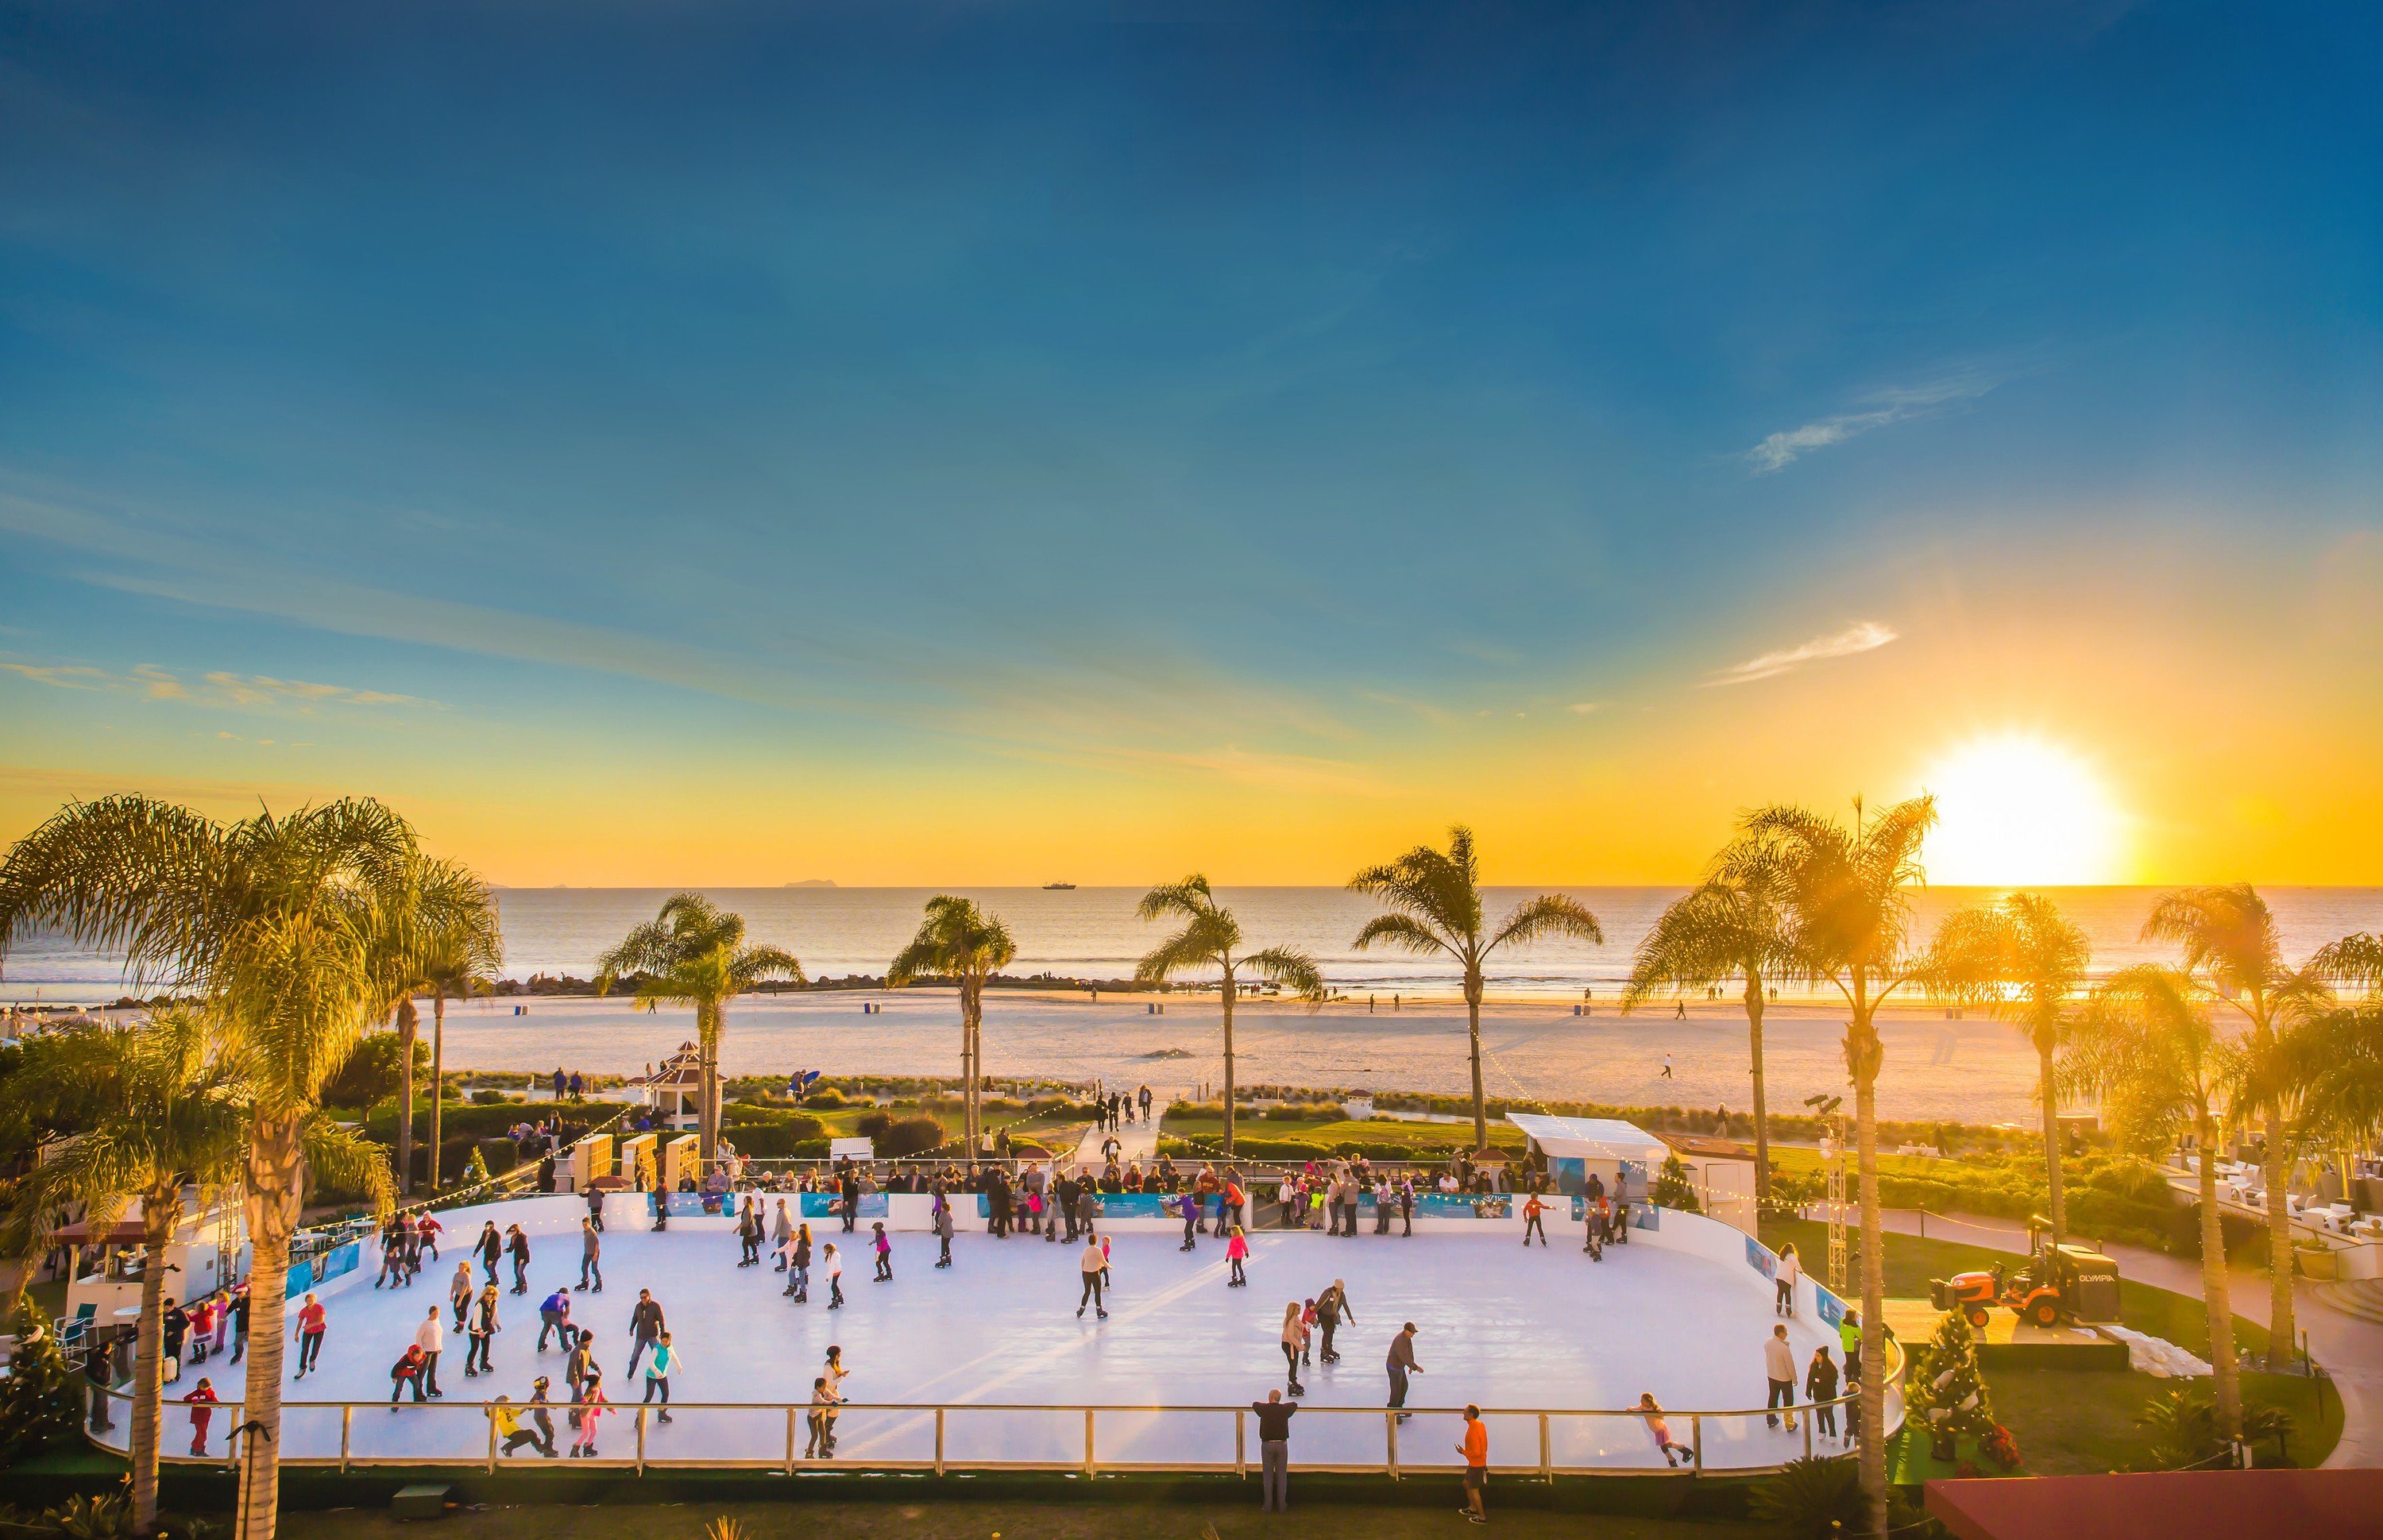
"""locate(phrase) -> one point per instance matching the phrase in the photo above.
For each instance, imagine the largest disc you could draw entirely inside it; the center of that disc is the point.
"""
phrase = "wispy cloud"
(1583, 707)
(251, 691)
(1782, 449)
(1864, 636)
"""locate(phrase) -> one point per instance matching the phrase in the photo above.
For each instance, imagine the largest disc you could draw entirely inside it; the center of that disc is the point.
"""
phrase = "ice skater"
(509, 1426)
(1090, 1265)
(834, 1264)
(749, 1233)
(490, 1248)
(431, 1338)
(517, 1247)
(1779, 1370)
(1791, 1272)
(202, 1404)
(799, 1266)
(1821, 1389)
(1401, 1363)
(822, 1419)
(460, 1290)
(944, 1228)
(312, 1320)
(884, 1249)
(1237, 1251)
(1660, 1431)
(481, 1334)
(591, 1408)
(782, 1226)
(591, 1255)
(1294, 1337)
(554, 1315)
(659, 1368)
(1532, 1211)
(1190, 1206)
(1331, 1309)
(645, 1327)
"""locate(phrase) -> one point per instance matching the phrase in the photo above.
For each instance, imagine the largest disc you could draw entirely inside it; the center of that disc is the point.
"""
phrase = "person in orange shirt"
(1476, 1450)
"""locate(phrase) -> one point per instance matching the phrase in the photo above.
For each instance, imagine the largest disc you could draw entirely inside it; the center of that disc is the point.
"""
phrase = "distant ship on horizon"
(1058, 887)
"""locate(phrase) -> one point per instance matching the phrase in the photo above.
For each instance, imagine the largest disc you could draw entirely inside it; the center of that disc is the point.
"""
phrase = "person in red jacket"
(202, 1404)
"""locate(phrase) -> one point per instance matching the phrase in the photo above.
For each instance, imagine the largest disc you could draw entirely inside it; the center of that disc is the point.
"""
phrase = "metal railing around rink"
(1542, 1443)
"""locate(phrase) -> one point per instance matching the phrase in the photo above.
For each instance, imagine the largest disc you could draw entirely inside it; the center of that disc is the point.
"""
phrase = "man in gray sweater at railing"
(1274, 1416)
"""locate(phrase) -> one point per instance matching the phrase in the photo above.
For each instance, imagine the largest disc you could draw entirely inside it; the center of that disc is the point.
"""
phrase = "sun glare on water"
(2015, 811)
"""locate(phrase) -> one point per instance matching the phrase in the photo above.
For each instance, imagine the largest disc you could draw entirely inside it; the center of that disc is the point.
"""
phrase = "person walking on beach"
(481, 1334)
(1274, 1416)
(781, 1227)
(1090, 1265)
(517, 1247)
(1237, 1251)
(1821, 1389)
(1778, 1369)
(884, 1249)
(591, 1255)
(1142, 1096)
(1331, 1308)
(1791, 1273)
(1294, 1337)
(645, 1327)
(1660, 1431)
(554, 1315)
(311, 1323)
(431, 1338)
(1475, 1448)
(659, 1368)
(1400, 1364)
(834, 1265)
(1532, 1211)
(1667, 1067)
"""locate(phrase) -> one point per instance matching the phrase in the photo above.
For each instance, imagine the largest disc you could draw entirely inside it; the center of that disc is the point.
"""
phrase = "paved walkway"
(1137, 1140)
(2351, 1349)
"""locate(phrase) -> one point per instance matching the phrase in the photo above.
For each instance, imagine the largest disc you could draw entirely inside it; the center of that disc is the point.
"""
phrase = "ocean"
(1534, 1046)
(1092, 932)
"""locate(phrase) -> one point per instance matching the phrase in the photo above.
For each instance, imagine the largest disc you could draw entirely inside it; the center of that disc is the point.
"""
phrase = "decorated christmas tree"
(476, 1170)
(1946, 1396)
(1671, 1189)
(41, 1401)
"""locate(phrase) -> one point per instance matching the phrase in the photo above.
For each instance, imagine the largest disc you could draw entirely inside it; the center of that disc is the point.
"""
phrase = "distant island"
(808, 882)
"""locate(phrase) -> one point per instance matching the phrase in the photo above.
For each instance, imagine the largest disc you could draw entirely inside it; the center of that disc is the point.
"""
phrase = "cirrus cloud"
(1860, 637)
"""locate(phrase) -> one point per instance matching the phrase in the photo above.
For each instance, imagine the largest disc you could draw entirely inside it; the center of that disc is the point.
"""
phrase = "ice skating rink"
(1518, 1331)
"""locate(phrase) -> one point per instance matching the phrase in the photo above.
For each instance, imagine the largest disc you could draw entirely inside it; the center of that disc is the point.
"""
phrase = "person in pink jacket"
(1237, 1250)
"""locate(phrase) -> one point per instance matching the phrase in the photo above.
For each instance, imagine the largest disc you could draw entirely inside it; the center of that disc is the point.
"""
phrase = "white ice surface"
(1542, 1329)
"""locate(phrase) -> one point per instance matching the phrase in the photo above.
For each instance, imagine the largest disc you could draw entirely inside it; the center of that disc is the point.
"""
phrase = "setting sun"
(2017, 810)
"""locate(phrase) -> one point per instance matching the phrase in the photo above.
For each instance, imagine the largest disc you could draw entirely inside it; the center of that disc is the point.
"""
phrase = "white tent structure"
(1623, 1155)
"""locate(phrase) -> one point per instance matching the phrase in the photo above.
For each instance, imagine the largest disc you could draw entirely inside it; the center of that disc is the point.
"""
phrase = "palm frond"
(348, 1160)
(1289, 967)
(1186, 900)
(2355, 960)
(753, 964)
(1548, 915)
(1404, 931)
(125, 874)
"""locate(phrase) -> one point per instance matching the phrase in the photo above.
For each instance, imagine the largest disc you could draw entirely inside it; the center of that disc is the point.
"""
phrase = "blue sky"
(1202, 418)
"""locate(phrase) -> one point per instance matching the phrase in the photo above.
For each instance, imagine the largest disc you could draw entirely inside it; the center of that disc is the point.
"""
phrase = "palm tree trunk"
(1863, 1054)
(409, 1026)
(1229, 1060)
(273, 1183)
(437, 1078)
(972, 1045)
(1761, 1106)
(2281, 1332)
(707, 1117)
(161, 1211)
(1473, 1025)
(2215, 1293)
(2050, 1097)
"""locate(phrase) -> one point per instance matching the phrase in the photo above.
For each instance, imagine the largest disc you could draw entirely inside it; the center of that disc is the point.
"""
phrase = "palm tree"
(959, 941)
(1847, 894)
(156, 1106)
(1730, 926)
(1209, 939)
(693, 953)
(2146, 1046)
(1434, 902)
(434, 933)
(2025, 961)
(269, 921)
(2231, 952)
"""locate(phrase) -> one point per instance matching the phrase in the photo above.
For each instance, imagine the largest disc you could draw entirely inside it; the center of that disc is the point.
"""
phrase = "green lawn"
(969, 1519)
(1427, 1139)
(2070, 1421)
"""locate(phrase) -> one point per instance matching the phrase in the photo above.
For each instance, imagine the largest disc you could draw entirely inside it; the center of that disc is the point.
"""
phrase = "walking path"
(1137, 1140)
(2348, 1346)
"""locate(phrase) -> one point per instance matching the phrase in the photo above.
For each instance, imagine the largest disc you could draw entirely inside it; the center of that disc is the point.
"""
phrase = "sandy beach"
(1973, 1071)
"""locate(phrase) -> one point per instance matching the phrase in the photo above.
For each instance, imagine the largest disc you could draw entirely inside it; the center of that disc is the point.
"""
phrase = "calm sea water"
(1092, 932)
